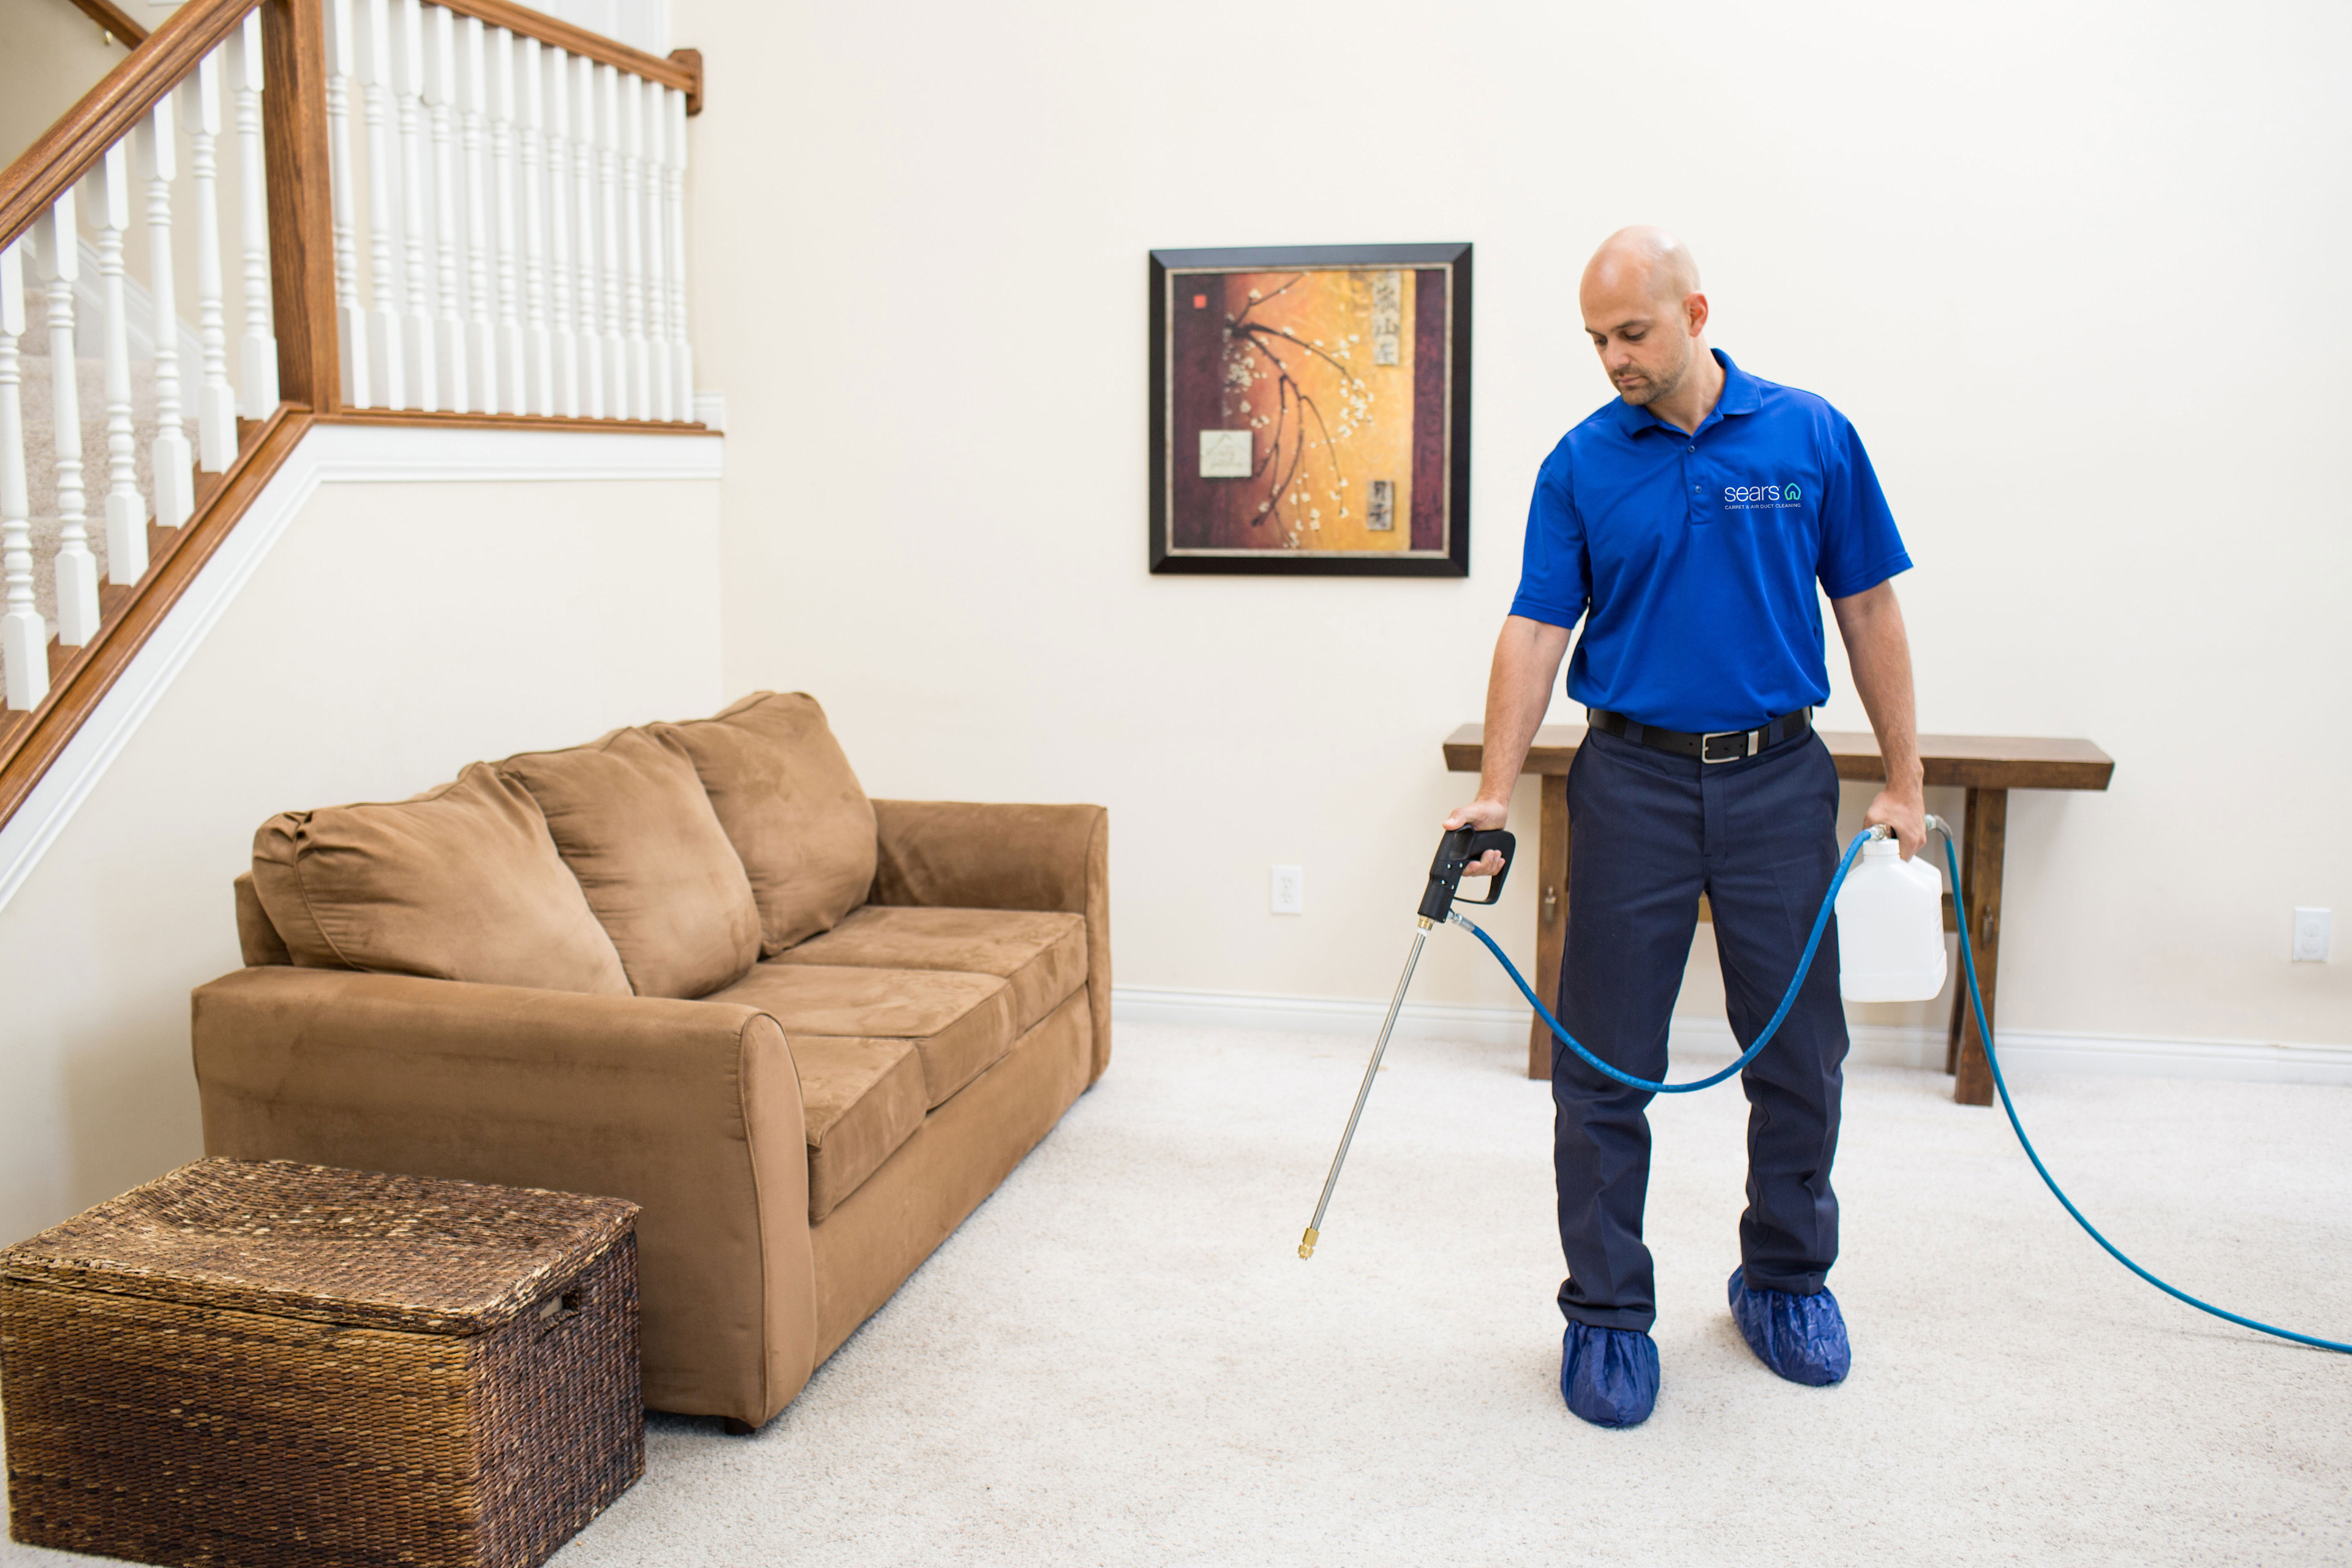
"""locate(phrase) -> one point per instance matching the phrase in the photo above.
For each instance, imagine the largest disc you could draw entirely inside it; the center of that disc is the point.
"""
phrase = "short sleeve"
(1555, 574)
(1860, 546)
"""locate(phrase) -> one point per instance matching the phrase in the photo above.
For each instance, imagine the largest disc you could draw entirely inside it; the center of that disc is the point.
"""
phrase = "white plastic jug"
(1890, 919)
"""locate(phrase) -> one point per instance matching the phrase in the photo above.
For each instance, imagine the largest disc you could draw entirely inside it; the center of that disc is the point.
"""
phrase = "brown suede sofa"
(693, 966)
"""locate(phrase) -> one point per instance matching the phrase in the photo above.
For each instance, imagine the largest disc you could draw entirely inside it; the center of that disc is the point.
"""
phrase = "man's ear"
(1695, 313)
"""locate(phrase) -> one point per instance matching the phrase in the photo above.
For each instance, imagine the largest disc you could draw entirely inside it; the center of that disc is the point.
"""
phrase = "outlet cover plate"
(2311, 934)
(1287, 890)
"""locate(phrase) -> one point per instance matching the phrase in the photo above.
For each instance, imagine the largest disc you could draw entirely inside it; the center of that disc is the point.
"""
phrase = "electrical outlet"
(1289, 891)
(2310, 935)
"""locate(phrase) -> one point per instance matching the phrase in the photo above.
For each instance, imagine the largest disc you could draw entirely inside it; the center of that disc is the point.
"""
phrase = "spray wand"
(1456, 852)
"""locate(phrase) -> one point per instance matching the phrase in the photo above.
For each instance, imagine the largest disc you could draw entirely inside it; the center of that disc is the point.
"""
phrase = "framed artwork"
(1310, 410)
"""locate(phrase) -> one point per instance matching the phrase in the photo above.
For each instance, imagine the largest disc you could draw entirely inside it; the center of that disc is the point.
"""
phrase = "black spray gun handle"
(1455, 853)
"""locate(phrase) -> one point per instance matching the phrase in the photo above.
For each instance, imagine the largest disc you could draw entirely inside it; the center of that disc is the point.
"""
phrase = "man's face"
(1645, 342)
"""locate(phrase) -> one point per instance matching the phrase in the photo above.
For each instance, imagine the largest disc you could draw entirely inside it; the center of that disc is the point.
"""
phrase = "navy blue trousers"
(1759, 837)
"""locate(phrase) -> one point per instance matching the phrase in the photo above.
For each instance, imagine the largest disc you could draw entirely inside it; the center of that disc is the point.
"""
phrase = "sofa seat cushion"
(1040, 953)
(860, 1098)
(630, 817)
(462, 882)
(960, 1024)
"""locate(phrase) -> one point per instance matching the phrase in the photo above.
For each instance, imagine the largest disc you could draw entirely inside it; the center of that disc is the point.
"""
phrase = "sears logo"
(1761, 495)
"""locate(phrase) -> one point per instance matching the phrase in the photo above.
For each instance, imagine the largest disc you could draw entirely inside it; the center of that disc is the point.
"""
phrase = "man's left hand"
(1905, 813)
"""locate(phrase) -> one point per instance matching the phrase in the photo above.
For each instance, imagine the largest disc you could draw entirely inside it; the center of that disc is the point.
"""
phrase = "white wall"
(396, 632)
(50, 54)
(2068, 266)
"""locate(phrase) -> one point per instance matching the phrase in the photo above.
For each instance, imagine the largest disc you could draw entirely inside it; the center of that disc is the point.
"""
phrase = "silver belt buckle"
(1746, 738)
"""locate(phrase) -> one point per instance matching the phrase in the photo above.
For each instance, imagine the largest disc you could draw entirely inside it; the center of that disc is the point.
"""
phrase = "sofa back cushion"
(462, 882)
(789, 805)
(630, 818)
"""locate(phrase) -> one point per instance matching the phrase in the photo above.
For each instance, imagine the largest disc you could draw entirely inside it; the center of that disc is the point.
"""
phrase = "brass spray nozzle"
(1306, 1247)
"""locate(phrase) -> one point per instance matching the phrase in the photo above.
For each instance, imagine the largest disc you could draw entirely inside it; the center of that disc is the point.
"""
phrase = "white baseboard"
(330, 454)
(1876, 1045)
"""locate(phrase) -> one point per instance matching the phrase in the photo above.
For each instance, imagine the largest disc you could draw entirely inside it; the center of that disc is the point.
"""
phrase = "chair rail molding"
(331, 452)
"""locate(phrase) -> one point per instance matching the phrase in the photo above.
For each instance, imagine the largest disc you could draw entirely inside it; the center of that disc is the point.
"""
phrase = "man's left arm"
(1879, 651)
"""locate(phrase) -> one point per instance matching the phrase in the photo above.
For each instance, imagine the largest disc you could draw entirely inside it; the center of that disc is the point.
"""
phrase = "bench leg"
(1984, 833)
(1552, 844)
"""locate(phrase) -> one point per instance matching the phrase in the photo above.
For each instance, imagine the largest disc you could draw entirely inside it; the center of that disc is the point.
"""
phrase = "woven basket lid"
(351, 1248)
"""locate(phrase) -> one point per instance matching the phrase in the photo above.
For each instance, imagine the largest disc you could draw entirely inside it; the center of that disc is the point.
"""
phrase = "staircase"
(276, 213)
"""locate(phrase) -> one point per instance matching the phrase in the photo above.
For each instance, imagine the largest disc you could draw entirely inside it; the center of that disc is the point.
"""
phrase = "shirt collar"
(1740, 396)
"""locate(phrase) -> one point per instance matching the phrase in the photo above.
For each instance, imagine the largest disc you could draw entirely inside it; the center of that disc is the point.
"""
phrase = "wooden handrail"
(574, 40)
(115, 20)
(691, 61)
(682, 71)
(71, 147)
(68, 149)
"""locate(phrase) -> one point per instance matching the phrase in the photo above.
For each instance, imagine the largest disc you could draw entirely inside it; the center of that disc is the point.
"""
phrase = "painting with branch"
(1310, 410)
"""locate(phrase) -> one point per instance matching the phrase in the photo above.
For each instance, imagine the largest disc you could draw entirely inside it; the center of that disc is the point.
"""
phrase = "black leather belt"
(1716, 747)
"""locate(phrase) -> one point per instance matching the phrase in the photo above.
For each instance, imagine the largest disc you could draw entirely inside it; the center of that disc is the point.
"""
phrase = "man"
(1686, 524)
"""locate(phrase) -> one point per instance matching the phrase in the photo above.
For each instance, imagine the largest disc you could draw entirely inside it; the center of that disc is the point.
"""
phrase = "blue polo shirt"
(1692, 558)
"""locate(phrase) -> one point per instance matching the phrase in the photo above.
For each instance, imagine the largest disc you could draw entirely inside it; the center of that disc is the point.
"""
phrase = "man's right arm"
(1518, 691)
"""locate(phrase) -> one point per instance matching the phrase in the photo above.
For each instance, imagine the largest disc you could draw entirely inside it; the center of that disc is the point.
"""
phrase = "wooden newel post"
(302, 202)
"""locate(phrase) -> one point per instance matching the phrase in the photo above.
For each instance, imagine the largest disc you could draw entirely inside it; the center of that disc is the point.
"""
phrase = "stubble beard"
(1641, 389)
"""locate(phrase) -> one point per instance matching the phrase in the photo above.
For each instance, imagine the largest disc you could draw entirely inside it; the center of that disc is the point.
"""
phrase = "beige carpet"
(1121, 1360)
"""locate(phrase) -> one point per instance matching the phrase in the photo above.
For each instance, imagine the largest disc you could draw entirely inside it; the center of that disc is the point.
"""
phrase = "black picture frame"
(1449, 555)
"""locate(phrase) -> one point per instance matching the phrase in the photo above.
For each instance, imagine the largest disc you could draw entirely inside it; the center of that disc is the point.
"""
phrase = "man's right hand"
(1483, 815)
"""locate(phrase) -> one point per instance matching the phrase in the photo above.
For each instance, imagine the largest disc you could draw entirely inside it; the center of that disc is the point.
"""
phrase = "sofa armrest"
(691, 1109)
(959, 855)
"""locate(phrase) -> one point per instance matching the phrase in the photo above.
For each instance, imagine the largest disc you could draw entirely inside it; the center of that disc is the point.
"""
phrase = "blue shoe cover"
(1609, 1376)
(1802, 1338)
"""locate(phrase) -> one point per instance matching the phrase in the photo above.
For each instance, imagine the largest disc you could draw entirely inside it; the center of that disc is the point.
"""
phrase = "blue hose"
(1789, 1000)
(1984, 1032)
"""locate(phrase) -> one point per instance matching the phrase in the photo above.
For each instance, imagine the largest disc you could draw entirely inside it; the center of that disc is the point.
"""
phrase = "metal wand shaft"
(1372, 1069)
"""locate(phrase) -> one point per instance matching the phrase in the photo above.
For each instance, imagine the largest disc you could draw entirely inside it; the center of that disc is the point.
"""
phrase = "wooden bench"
(1986, 766)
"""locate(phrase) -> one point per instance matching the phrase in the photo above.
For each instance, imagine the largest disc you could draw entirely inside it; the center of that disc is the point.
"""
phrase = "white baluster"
(175, 481)
(563, 323)
(681, 347)
(650, 114)
(613, 262)
(507, 200)
(588, 272)
(474, 127)
(200, 116)
(538, 376)
(259, 364)
(60, 264)
(441, 93)
(350, 321)
(420, 356)
(126, 508)
(24, 639)
(632, 241)
(386, 356)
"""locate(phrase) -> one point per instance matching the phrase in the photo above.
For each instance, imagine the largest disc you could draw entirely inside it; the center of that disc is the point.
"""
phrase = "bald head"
(1647, 320)
(1646, 258)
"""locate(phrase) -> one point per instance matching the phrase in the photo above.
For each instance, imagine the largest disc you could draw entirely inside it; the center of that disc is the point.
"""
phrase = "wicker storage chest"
(257, 1363)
